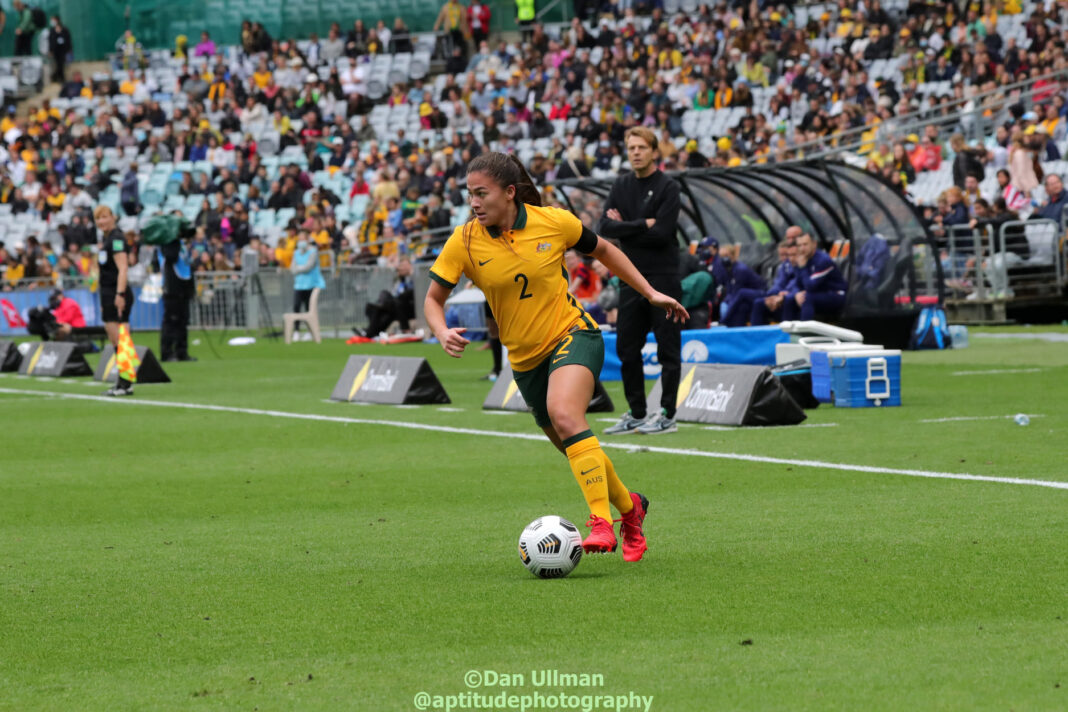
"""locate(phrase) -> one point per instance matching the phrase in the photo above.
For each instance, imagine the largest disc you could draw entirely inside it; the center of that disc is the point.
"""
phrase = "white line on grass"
(979, 417)
(725, 428)
(998, 371)
(819, 464)
(1038, 335)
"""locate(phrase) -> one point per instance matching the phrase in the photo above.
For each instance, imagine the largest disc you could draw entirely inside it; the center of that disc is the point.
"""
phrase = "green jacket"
(26, 21)
(697, 289)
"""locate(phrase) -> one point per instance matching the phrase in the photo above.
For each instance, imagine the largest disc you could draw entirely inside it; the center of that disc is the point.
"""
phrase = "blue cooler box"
(864, 379)
(820, 357)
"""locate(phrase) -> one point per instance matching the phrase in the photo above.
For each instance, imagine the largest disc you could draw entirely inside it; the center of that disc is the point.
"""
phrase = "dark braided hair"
(505, 170)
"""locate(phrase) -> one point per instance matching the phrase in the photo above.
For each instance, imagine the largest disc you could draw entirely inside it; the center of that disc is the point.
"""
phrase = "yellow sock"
(589, 465)
(618, 494)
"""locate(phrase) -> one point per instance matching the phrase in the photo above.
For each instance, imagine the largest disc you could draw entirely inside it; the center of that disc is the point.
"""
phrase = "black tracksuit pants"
(636, 318)
(174, 331)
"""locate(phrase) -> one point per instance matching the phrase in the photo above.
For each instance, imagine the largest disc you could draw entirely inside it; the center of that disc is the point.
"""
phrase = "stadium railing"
(1042, 274)
(972, 122)
(242, 301)
(978, 271)
(962, 249)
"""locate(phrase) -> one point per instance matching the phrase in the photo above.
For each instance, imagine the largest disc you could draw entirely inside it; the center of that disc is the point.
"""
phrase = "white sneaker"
(627, 424)
(117, 392)
(657, 424)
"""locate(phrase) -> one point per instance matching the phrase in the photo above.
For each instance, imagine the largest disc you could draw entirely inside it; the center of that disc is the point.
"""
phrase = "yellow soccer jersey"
(521, 271)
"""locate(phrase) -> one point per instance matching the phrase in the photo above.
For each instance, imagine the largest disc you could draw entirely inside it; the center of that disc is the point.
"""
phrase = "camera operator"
(178, 290)
(54, 322)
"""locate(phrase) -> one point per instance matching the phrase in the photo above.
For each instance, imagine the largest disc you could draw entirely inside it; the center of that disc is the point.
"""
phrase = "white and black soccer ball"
(550, 547)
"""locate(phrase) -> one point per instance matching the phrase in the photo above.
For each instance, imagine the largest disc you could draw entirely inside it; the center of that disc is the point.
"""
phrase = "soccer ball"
(550, 547)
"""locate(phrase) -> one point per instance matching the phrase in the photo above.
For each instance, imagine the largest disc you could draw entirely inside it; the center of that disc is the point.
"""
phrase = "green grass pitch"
(169, 558)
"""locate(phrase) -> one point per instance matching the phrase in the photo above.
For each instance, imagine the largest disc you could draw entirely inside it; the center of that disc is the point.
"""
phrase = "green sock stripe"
(578, 437)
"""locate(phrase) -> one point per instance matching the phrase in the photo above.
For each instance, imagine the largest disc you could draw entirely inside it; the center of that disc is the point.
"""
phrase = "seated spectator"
(584, 284)
(74, 87)
(821, 288)
(698, 286)
(926, 156)
(1010, 253)
(783, 287)
(397, 304)
(1056, 200)
(56, 321)
(743, 287)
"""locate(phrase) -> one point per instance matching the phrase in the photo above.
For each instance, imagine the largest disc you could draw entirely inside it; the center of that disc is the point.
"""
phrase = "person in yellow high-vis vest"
(524, 17)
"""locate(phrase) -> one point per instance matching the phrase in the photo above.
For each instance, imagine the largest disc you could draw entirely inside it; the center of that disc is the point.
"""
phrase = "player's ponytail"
(525, 190)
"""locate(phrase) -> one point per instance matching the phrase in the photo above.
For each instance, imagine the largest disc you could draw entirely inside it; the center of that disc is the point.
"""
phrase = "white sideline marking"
(1035, 335)
(447, 409)
(998, 371)
(531, 436)
(980, 417)
(741, 428)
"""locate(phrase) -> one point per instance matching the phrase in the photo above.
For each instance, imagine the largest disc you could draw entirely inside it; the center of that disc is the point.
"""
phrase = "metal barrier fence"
(958, 248)
(252, 301)
(1020, 259)
(1029, 258)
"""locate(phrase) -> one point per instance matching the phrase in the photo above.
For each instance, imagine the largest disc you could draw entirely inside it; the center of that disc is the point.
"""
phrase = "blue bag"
(931, 330)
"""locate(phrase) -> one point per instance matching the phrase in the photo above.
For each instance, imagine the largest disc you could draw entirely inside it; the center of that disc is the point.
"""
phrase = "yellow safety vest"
(525, 10)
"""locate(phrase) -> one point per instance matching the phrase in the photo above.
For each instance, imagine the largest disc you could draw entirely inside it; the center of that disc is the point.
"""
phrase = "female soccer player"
(513, 249)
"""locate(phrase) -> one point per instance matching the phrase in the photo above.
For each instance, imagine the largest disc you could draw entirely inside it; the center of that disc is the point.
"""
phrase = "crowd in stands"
(278, 140)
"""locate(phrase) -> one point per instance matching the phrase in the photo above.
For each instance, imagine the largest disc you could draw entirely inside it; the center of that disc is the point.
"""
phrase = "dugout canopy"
(871, 230)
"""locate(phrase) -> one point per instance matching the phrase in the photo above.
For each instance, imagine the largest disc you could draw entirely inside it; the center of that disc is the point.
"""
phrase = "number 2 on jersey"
(523, 292)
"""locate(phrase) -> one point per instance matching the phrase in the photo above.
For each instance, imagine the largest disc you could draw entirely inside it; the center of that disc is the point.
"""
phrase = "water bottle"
(959, 334)
(1022, 419)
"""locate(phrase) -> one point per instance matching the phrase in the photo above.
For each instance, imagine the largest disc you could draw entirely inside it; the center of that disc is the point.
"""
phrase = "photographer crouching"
(55, 322)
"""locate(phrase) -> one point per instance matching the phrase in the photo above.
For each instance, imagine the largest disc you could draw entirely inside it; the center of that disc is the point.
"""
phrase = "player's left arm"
(613, 258)
(587, 242)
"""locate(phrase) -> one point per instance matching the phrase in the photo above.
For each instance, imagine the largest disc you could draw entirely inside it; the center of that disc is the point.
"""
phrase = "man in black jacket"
(642, 213)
